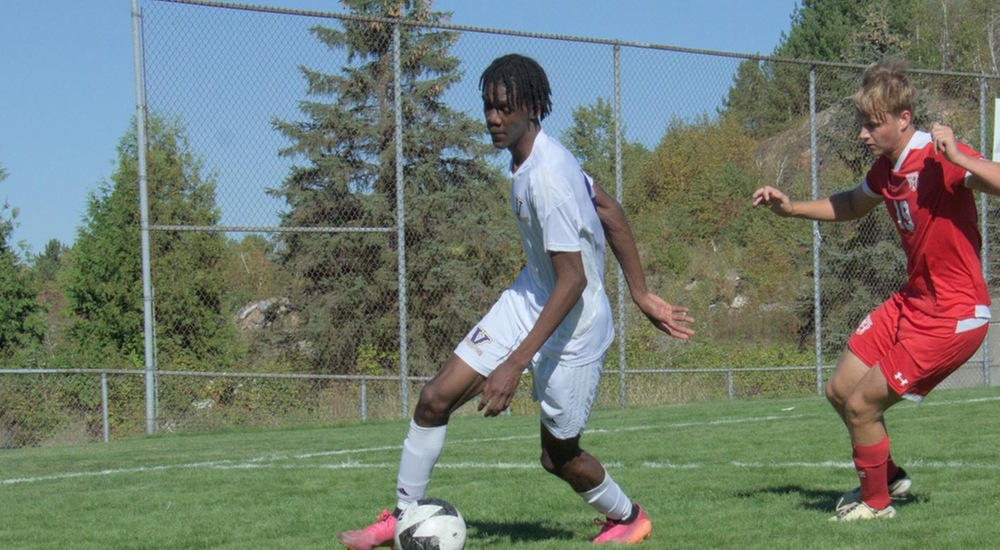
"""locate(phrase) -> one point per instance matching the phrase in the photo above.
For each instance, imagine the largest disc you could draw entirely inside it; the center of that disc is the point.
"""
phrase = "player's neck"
(900, 149)
(520, 151)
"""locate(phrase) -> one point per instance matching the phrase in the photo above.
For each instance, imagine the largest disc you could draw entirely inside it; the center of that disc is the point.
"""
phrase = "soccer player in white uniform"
(939, 318)
(554, 319)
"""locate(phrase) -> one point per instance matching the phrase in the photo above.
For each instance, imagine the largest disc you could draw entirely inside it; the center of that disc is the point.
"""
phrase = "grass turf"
(745, 474)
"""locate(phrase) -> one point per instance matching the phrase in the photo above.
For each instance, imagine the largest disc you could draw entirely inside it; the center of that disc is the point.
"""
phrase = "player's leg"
(565, 459)
(865, 407)
(566, 396)
(863, 413)
(924, 351)
(846, 377)
(460, 379)
(875, 337)
(625, 521)
(453, 385)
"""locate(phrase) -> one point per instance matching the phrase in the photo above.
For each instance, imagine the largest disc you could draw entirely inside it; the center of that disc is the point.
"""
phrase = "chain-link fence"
(325, 220)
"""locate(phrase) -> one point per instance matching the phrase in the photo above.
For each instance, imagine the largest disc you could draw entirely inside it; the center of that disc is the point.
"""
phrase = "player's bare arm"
(668, 318)
(843, 206)
(985, 174)
(571, 280)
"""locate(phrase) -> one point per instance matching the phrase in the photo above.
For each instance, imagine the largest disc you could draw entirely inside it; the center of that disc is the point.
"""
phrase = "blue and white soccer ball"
(430, 524)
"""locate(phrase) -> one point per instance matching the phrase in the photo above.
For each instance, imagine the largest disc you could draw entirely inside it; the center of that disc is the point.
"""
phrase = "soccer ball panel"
(430, 524)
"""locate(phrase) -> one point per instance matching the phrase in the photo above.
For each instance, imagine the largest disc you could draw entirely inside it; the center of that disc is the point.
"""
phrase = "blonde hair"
(885, 90)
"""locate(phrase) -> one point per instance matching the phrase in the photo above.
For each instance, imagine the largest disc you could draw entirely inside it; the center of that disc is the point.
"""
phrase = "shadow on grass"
(518, 532)
(819, 500)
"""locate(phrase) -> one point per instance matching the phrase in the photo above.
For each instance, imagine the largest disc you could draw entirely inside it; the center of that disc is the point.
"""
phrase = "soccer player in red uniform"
(937, 320)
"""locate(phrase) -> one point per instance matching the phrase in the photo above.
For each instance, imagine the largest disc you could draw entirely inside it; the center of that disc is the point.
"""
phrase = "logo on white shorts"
(478, 338)
(865, 325)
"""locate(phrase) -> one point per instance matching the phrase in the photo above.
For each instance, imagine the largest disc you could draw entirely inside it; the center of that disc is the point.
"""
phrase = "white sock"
(609, 499)
(421, 450)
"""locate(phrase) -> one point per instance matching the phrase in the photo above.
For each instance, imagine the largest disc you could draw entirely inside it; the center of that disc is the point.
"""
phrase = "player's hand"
(499, 388)
(944, 141)
(778, 202)
(668, 318)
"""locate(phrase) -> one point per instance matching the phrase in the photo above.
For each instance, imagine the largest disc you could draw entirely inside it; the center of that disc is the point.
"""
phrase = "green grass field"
(749, 474)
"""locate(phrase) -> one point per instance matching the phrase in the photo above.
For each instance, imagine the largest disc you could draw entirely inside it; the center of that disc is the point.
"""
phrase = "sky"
(67, 81)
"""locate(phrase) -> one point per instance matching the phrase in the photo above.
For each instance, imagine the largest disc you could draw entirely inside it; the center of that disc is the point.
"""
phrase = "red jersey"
(935, 215)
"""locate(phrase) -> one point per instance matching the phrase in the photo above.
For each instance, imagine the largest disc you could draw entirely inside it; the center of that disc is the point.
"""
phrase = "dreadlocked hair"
(523, 79)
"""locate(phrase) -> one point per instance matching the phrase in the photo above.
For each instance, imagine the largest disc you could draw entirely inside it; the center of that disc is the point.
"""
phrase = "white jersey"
(553, 203)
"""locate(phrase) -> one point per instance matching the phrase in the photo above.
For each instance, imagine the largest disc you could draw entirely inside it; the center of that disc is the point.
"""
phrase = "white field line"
(355, 465)
(961, 401)
(269, 461)
(918, 462)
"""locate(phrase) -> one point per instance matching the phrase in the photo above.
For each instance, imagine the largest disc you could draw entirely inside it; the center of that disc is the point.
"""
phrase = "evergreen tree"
(104, 279)
(456, 257)
(47, 264)
(767, 96)
(48, 268)
(957, 35)
(745, 102)
(592, 141)
(21, 324)
(821, 29)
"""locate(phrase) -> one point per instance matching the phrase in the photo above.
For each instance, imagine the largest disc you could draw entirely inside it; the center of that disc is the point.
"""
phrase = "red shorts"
(915, 351)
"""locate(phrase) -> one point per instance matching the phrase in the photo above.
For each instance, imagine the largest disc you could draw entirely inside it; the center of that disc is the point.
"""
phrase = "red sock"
(871, 461)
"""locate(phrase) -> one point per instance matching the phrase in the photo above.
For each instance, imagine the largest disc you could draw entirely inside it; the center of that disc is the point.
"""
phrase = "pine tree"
(592, 141)
(48, 269)
(456, 259)
(21, 324)
(104, 279)
(767, 96)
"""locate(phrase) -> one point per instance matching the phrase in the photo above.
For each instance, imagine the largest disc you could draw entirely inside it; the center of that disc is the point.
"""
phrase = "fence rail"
(53, 416)
(68, 421)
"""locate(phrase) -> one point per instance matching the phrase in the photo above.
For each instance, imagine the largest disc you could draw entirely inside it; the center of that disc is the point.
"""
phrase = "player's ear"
(905, 119)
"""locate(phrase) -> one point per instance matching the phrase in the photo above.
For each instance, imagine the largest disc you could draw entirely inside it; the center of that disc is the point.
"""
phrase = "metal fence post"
(400, 219)
(147, 293)
(983, 226)
(619, 196)
(364, 398)
(104, 406)
(987, 364)
(814, 174)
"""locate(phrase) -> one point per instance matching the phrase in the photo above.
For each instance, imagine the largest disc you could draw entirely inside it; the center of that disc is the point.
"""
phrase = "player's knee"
(547, 464)
(833, 395)
(560, 462)
(432, 407)
(858, 412)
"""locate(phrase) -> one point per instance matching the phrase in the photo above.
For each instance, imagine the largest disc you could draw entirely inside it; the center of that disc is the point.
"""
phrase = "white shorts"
(565, 395)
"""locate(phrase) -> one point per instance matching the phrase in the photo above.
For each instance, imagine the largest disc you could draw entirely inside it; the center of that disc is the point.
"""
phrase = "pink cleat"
(379, 534)
(614, 532)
